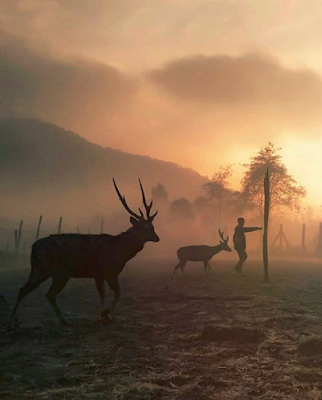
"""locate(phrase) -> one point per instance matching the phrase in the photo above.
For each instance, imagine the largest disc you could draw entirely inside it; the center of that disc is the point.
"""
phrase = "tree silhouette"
(201, 203)
(218, 191)
(223, 200)
(182, 209)
(285, 191)
(159, 193)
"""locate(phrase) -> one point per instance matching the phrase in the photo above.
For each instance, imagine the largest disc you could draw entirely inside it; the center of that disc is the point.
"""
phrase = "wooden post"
(285, 240)
(20, 227)
(18, 237)
(266, 216)
(38, 229)
(60, 224)
(281, 236)
(16, 241)
(303, 239)
(102, 225)
(275, 240)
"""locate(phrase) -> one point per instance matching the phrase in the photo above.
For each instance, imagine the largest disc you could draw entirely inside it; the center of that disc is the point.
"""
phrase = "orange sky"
(198, 82)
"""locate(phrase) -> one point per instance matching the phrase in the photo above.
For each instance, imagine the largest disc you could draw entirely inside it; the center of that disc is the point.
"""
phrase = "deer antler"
(123, 201)
(146, 205)
(221, 234)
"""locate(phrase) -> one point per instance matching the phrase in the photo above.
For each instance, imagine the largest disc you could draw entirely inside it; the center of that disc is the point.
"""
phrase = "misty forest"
(161, 200)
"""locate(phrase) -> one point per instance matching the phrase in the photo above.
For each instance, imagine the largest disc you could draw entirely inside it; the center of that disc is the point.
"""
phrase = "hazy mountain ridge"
(39, 157)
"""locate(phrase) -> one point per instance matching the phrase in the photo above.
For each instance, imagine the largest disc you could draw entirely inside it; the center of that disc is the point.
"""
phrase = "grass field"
(222, 337)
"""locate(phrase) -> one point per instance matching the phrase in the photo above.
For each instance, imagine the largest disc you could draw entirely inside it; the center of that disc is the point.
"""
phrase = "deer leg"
(182, 268)
(180, 265)
(59, 282)
(26, 289)
(205, 265)
(209, 268)
(175, 270)
(101, 290)
(114, 285)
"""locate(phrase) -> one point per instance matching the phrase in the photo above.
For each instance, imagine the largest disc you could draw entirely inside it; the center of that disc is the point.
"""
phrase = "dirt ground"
(222, 337)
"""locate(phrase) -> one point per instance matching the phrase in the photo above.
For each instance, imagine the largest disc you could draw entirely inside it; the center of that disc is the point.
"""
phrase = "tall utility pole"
(266, 216)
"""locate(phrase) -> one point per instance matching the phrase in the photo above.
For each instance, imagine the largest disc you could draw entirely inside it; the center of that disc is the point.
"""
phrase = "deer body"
(101, 257)
(83, 256)
(198, 253)
(202, 253)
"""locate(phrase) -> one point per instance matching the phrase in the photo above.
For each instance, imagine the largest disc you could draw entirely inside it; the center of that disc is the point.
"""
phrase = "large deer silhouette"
(101, 257)
(200, 253)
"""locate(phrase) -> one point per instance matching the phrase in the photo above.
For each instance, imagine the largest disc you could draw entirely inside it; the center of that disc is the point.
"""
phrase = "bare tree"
(160, 193)
(223, 200)
(285, 193)
(182, 209)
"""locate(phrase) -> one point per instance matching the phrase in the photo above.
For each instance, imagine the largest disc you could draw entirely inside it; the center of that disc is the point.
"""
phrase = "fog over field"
(160, 199)
(197, 83)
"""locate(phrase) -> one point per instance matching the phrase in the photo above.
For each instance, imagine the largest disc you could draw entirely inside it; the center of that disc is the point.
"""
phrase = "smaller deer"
(200, 253)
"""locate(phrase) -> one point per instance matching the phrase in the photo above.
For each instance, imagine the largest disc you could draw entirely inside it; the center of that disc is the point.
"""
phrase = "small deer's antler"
(221, 234)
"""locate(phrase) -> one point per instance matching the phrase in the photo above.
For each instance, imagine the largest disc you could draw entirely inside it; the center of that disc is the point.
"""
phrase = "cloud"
(78, 94)
(94, 67)
(232, 105)
(197, 111)
(64, 27)
(248, 82)
(140, 34)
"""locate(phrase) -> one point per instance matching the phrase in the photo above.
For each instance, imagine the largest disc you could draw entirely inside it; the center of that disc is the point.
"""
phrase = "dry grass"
(226, 337)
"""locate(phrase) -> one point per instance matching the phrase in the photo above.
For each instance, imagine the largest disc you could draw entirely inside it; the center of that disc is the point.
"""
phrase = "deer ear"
(133, 221)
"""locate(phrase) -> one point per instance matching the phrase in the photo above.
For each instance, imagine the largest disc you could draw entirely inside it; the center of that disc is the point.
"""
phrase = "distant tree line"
(219, 201)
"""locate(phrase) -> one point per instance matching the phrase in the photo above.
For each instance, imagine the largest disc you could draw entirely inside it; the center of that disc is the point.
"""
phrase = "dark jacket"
(239, 237)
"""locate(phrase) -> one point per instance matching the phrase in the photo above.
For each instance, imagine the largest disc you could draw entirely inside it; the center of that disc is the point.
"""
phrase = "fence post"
(303, 239)
(18, 237)
(38, 229)
(60, 224)
(266, 219)
(281, 236)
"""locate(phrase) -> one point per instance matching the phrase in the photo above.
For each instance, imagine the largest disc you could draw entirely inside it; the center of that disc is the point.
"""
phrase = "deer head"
(141, 224)
(224, 242)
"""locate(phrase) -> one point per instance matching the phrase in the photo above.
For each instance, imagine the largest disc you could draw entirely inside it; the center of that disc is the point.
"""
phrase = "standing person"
(239, 240)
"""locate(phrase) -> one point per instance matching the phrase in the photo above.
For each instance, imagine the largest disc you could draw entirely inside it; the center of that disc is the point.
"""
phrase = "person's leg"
(243, 258)
(238, 265)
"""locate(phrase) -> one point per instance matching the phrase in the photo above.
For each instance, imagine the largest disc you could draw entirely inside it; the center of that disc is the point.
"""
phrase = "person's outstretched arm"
(252, 229)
